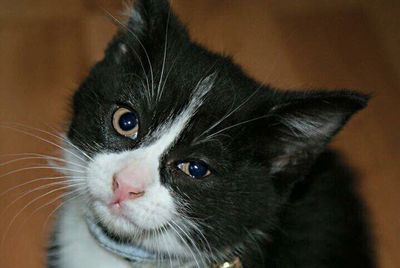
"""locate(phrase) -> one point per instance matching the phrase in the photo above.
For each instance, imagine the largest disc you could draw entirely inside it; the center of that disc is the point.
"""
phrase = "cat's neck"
(80, 241)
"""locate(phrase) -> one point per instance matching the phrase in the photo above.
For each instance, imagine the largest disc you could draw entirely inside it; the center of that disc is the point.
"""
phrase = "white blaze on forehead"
(170, 132)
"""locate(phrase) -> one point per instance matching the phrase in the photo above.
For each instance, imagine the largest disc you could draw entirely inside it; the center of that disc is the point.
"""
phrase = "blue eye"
(195, 169)
(126, 123)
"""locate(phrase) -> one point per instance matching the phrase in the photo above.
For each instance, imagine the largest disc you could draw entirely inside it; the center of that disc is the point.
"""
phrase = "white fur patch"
(78, 248)
(123, 48)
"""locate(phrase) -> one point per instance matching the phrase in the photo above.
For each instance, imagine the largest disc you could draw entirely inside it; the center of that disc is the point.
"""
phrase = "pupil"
(197, 169)
(127, 121)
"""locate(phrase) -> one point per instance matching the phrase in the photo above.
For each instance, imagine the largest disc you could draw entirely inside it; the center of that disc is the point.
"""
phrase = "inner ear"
(302, 125)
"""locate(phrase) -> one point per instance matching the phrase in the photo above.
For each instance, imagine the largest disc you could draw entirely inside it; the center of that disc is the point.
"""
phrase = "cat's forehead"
(219, 100)
(162, 83)
(172, 78)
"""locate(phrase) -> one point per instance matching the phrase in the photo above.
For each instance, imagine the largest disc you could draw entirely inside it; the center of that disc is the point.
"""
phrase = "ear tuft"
(146, 25)
(133, 15)
(145, 14)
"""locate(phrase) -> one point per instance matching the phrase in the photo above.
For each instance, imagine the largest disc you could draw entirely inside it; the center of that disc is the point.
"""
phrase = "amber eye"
(195, 169)
(126, 123)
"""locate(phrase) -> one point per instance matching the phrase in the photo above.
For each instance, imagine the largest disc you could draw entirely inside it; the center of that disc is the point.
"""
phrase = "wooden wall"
(47, 47)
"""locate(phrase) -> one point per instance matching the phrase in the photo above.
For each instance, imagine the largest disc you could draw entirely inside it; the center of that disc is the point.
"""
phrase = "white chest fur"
(77, 247)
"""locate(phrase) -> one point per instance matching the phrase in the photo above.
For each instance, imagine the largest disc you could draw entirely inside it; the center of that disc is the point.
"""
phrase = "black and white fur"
(276, 197)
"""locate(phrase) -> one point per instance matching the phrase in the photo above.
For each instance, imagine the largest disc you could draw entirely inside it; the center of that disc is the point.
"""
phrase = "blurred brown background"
(47, 47)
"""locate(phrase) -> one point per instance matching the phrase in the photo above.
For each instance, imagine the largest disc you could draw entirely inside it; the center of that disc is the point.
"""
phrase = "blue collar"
(129, 251)
(134, 253)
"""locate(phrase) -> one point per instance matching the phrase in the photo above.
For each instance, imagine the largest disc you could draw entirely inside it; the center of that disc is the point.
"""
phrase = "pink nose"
(127, 185)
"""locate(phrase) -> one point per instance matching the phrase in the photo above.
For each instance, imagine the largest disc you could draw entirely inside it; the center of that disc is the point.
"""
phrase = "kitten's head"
(180, 143)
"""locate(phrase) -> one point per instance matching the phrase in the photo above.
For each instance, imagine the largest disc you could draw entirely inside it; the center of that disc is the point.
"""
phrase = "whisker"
(48, 185)
(40, 167)
(20, 159)
(62, 196)
(57, 136)
(203, 238)
(140, 43)
(75, 178)
(64, 138)
(29, 182)
(60, 205)
(235, 125)
(165, 54)
(167, 76)
(42, 139)
(170, 224)
(192, 242)
(93, 146)
(230, 113)
(159, 257)
(168, 251)
(40, 156)
(26, 206)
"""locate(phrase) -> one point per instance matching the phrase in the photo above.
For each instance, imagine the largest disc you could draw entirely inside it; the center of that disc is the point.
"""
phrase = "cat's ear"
(141, 13)
(151, 18)
(146, 23)
(303, 123)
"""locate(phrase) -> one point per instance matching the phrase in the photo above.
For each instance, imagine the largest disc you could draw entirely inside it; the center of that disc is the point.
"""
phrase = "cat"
(177, 158)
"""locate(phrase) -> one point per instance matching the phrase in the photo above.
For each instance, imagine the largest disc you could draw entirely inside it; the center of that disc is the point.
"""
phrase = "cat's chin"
(116, 222)
(162, 239)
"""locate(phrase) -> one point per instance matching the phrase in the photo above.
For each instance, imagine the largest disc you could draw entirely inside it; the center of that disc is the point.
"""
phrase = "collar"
(129, 251)
(134, 253)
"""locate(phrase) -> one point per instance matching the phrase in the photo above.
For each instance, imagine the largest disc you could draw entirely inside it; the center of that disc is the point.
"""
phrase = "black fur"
(276, 196)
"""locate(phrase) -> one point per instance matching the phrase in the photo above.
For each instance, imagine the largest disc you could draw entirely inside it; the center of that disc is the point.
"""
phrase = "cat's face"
(182, 152)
